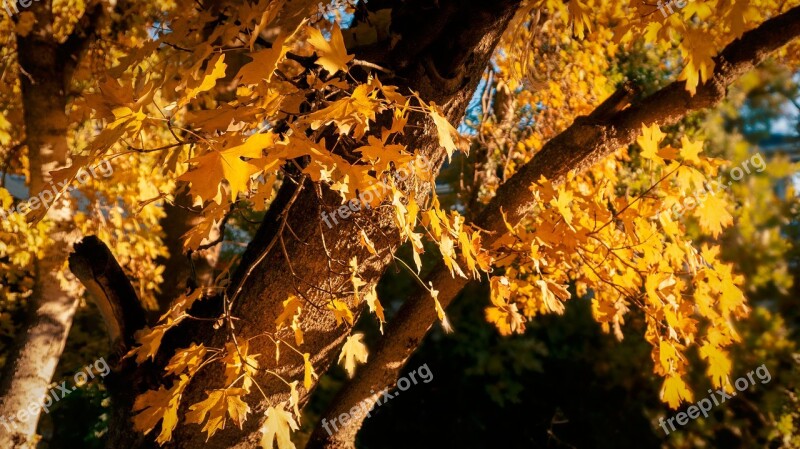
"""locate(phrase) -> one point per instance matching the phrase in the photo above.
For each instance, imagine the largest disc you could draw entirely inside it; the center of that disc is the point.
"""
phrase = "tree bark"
(38, 348)
(585, 142)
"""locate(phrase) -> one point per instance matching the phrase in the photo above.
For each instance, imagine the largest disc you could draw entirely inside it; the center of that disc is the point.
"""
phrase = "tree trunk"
(33, 360)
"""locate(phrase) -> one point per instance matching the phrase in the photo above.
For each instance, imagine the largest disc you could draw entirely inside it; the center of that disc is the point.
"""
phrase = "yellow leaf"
(277, 428)
(215, 406)
(447, 249)
(690, 150)
(332, 56)
(375, 305)
(446, 131)
(698, 51)
(264, 63)
(214, 71)
(309, 373)
(354, 279)
(149, 341)
(651, 137)
(504, 314)
(291, 308)
(211, 168)
(366, 242)
(668, 357)
(547, 290)
(562, 203)
(155, 406)
(713, 215)
(354, 351)
(340, 312)
(440, 310)
(719, 364)
(675, 391)
(237, 361)
(186, 360)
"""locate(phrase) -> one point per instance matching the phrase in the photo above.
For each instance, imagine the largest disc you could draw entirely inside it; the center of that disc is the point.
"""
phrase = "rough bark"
(34, 358)
(584, 143)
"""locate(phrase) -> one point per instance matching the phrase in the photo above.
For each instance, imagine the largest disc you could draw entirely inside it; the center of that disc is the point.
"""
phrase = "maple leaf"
(264, 63)
(186, 360)
(214, 71)
(291, 308)
(382, 156)
(159, 405)
(354, 351)
(211, 168)
(237, 361)
(355, 281)
(504, 314)
(552, 294)
(719, 364)
(675, 391)
(713, 215)
(277, 428)
(446, 131)
(742, 13)
(649, 140)
(149, 341)
(699, 52)
(440, 310)
(367, 243)
(215, 407)
(332, 56)
(341, 312)
(562, 203)
(690, 150)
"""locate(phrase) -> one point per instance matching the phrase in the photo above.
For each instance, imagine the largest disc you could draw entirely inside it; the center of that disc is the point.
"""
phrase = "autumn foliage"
(251, 119)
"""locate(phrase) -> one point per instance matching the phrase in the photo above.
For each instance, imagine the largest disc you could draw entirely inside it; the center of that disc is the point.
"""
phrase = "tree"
(220, 109)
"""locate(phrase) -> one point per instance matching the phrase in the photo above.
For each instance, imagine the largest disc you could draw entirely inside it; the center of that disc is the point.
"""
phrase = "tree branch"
(72, 50)
(98, 270)
(584, 143)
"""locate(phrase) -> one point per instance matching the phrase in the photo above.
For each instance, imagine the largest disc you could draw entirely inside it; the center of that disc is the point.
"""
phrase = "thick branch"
(72, 50)
(98, 270)
(585, 142)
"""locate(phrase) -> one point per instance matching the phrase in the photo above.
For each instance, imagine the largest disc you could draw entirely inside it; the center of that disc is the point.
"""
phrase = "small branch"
(371, 65)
